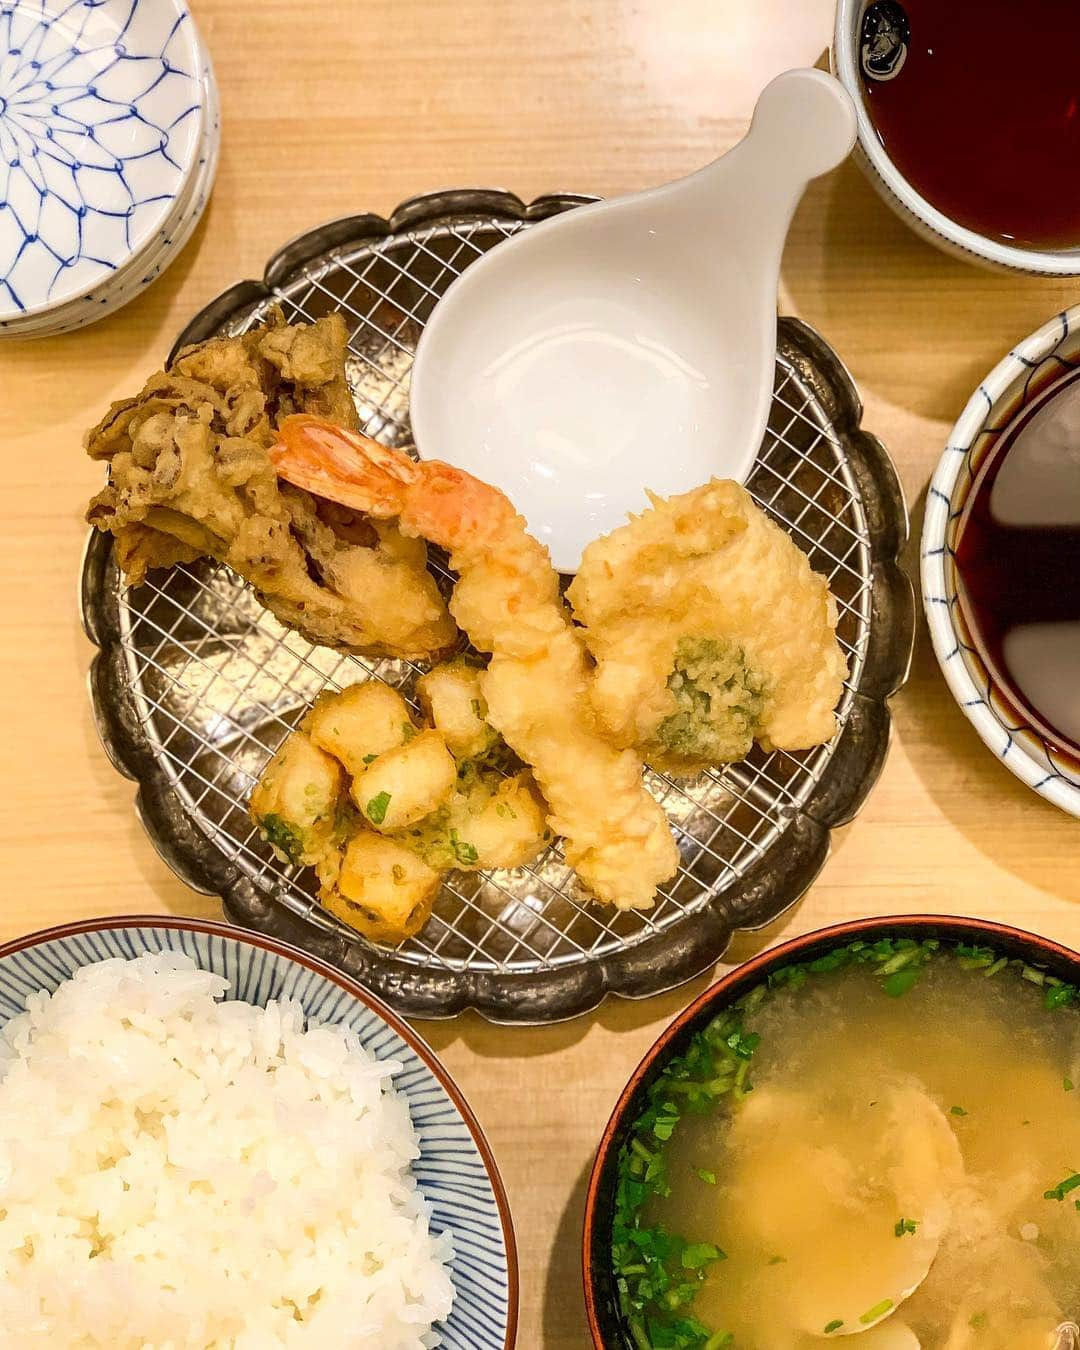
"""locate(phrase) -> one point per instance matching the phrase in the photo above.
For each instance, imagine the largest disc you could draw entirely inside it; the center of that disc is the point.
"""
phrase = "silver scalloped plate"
(195, 684)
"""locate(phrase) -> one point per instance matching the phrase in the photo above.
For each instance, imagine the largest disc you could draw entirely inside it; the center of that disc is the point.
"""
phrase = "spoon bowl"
(628, 345)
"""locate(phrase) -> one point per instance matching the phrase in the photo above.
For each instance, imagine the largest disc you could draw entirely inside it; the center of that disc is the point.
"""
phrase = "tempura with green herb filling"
(710, 631)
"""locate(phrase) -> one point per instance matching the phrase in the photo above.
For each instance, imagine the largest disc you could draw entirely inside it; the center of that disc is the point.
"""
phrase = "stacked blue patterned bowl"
(109, 133)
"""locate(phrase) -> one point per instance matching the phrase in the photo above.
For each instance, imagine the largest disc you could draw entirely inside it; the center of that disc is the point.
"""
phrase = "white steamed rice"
(176, 1171)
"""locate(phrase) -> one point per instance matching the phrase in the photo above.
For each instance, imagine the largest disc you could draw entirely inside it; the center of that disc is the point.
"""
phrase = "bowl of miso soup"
(869, 1135)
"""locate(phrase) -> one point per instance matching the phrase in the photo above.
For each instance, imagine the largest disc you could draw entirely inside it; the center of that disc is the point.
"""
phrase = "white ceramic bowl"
(895, 189)
(1015, 382)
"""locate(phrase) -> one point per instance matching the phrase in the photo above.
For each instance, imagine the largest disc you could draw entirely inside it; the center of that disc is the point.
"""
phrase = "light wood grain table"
(331, 108)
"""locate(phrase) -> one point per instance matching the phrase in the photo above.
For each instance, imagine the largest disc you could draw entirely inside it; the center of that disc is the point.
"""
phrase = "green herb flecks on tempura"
(1062, 1189)
(463, 852)
(718, 699)
(657, 1274)
(282, 837)
(877, 1312)
(377, 807)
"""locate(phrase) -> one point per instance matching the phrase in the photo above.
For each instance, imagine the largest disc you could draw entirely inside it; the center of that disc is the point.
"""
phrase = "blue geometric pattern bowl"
(455, 1171)
(1015, 382)
(104, 133)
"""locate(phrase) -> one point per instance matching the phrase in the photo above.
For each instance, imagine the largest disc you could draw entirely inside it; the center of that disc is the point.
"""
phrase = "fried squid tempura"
(710, 631)
(537, 685)
(190, 476)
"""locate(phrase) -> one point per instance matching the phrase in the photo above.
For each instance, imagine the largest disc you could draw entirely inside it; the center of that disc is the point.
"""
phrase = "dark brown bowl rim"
(416, 1043)
(955, 926)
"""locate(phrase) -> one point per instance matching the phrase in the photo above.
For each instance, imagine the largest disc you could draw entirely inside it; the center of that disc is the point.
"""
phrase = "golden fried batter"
(190, 476)
(537, 685)
(416, 811)
(710, 631)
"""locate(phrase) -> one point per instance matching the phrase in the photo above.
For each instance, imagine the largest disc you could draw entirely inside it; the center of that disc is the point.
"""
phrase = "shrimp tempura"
(537, 684)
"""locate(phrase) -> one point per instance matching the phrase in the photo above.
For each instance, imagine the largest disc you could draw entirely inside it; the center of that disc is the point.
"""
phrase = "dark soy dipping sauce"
(977, 103)
(1018, 558)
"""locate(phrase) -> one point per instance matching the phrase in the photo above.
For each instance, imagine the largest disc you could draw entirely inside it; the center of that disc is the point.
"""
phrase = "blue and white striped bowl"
(455, 1171)
(1018, 380)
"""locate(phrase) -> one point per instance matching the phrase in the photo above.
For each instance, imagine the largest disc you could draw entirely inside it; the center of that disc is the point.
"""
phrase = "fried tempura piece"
(380, 888)
(405, 784)
(190, 476)
(490, 822)
(359, 723)
(301, 807)
(454, 704)
(710, 631)
(418, 812)
(537, 685)
(296, 802)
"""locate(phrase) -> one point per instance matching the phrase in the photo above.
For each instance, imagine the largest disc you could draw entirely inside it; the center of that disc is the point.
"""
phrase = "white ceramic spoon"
(628, 344)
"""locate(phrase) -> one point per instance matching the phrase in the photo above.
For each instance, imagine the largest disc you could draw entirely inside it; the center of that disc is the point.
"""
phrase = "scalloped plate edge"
(656, 964)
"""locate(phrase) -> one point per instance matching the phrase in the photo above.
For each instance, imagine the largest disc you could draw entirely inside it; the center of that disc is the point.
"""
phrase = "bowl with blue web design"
(108, 146)
(455, 1171)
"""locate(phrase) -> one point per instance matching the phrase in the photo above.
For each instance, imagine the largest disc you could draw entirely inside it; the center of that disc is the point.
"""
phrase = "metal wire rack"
(214, 682)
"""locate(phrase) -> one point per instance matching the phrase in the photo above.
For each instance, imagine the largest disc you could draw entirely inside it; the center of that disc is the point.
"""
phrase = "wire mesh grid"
(218, 682)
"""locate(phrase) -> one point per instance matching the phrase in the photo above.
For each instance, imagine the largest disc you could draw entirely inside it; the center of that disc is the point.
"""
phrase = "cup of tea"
(969, 122)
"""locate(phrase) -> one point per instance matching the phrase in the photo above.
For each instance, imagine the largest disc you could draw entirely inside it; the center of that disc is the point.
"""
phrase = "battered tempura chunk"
(454, 703)
(382, 809)
(296, 802)
(190, 475)
(380, 888)
(710, 631)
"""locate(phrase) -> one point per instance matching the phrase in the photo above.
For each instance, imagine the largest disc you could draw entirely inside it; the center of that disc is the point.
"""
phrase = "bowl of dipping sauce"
(969, 122)
(1001, 560)
(864, 1135)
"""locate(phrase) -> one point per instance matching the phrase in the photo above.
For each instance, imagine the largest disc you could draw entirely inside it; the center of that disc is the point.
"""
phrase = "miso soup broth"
(904, 1172)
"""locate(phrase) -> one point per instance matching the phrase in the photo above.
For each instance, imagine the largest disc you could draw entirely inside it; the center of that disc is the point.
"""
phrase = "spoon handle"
(803, 125)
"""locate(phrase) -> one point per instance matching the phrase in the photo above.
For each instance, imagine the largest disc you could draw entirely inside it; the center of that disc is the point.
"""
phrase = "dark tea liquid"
(1018, 558)
(983, 115)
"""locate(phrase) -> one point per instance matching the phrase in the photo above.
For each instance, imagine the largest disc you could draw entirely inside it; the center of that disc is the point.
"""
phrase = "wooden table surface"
(332, 108)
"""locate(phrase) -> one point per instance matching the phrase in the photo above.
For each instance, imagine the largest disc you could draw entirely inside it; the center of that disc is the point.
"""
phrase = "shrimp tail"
(342, 466)
(435, 501)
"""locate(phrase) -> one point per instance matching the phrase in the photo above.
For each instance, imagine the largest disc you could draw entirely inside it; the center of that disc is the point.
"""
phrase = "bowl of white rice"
(212, 1141)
